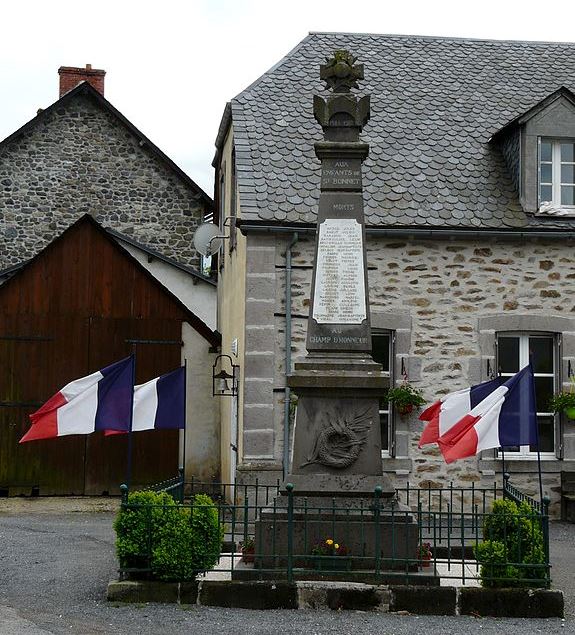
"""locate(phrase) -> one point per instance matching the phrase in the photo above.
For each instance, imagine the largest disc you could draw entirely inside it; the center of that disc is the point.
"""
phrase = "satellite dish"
(208, 239)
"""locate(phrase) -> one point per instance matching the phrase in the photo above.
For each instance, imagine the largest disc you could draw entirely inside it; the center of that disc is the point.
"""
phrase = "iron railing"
(382, 540)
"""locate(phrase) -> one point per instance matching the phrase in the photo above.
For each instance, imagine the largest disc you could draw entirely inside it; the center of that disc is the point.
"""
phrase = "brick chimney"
(70, 77)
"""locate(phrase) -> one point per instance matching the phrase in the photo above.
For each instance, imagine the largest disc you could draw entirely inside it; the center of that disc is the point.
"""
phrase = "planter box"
(332, 563)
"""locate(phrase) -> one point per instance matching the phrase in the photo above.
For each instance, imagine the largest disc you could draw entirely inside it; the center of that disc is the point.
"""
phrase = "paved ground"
(56, 563)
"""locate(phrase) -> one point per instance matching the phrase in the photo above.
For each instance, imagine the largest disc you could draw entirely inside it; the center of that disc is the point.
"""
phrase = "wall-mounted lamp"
(225, 377)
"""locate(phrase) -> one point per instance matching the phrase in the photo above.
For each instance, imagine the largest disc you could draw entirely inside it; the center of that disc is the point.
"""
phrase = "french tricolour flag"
(445, 413)
(161, 403)
(506, 417)
(100, 401)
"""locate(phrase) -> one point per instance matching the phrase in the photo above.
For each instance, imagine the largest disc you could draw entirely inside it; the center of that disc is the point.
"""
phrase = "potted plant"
(564, 401)
(248, 549)
(405, 398)
(331, 555)
(425, 554)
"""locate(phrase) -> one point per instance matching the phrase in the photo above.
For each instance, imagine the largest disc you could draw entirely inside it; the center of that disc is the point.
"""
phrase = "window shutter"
(559, 417)
(391, 419)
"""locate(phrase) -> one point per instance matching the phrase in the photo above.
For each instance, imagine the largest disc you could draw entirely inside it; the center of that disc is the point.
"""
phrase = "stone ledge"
(424, 600)
(248, 595)
(511, 602)
(357, 596)
(338, 596)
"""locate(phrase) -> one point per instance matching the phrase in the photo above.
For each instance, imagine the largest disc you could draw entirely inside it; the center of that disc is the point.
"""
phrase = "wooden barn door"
(157, 345)
(38, 356)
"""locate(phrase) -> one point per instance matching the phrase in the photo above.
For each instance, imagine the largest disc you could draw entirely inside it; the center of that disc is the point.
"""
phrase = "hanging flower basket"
(564, 401)
(405, 398)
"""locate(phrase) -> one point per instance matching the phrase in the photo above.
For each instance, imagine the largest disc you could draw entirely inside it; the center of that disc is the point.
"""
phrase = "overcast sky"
(172, 64)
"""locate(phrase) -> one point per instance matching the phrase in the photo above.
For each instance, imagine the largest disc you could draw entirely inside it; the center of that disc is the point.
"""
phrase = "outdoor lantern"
(224, 380)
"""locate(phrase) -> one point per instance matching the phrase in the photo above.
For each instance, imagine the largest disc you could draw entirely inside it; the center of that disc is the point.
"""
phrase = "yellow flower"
(336, 546)
(329, 542)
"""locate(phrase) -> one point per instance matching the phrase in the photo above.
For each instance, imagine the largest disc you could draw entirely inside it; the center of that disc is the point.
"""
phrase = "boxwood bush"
(512, 540)
(166, 540)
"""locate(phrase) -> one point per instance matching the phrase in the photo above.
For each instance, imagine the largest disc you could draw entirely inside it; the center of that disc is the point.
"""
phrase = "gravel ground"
(55, 567)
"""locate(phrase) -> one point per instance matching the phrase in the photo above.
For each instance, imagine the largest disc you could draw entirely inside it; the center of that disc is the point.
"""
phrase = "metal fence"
(418, 536)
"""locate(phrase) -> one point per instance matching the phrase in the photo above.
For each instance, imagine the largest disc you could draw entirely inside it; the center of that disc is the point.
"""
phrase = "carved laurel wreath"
(339, 441)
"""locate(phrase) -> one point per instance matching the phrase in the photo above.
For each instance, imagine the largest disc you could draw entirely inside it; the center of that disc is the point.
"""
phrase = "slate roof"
(435, 104)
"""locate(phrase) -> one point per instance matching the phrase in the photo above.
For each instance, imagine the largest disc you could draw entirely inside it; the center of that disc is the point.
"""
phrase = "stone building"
(469, 193)
(82, 156)
(79, 159)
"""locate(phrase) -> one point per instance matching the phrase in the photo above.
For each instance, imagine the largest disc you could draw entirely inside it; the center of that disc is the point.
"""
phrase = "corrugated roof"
(435, 104)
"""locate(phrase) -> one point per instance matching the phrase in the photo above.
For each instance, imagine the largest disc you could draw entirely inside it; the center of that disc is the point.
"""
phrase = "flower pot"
(405, 410)
(248, 555)
(426, 560)
(570, 413)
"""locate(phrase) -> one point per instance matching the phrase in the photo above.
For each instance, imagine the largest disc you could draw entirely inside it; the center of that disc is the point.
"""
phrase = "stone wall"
(81, 159)
(444, 288)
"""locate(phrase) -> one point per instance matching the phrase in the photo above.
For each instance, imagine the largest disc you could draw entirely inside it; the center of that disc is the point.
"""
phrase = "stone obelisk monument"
(337, 464)
(337, 443)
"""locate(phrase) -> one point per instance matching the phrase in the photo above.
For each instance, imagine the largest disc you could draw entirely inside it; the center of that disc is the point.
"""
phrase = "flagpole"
(503, 469)
(537, 433)
(185, 426)
(129, 464)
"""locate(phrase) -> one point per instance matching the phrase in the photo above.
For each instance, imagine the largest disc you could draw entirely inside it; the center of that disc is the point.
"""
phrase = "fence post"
(545, 522)
(377, 512)
(289, 489)
(246, 517)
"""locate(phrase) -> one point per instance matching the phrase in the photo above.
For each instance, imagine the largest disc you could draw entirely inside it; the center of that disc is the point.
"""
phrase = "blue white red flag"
(506, 417)
(160, 404)
(100, 401)
(447, 411)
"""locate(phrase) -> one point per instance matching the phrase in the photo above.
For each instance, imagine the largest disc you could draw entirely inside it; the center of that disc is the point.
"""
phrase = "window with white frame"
(382, 344)
(557, 173)
(513, 352)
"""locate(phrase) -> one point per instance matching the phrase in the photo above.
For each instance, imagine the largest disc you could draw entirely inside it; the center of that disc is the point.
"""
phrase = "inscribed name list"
(339, 282)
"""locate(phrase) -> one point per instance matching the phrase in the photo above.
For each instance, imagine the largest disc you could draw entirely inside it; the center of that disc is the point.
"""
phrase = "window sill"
(524, 465)
(549, 209)
(395, 465)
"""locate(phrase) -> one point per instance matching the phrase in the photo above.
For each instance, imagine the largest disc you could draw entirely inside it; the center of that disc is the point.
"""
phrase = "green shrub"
(172, 541)
(495, 570)
(137, 526)
(190, 543)
(513, 538)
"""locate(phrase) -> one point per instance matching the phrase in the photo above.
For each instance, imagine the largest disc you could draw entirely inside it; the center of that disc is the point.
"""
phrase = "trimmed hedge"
(165, 540)
(513, 539)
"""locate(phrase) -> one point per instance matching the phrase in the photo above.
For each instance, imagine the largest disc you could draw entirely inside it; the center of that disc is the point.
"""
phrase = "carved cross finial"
(340, 72)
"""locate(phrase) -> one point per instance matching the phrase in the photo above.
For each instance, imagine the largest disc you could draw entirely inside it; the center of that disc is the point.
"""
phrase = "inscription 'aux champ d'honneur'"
(339, 286)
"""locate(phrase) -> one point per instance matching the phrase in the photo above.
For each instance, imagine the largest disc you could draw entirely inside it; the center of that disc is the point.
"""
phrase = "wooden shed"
(79, 305)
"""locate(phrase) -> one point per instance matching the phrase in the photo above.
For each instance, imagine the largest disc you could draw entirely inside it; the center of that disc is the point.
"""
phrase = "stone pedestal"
(337, 442)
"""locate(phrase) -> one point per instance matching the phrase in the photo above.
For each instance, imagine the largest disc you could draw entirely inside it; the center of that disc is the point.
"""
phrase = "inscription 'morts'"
(339, 286)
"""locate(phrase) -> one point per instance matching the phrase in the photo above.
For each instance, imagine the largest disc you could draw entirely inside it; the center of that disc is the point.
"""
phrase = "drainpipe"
(287, 395)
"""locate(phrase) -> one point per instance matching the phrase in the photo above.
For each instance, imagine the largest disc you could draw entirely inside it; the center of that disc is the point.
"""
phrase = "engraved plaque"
(341, 174)
(340, 284)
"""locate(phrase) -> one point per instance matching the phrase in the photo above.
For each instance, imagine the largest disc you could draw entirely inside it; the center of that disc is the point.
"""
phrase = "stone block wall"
(443, 291)
(81, 159)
